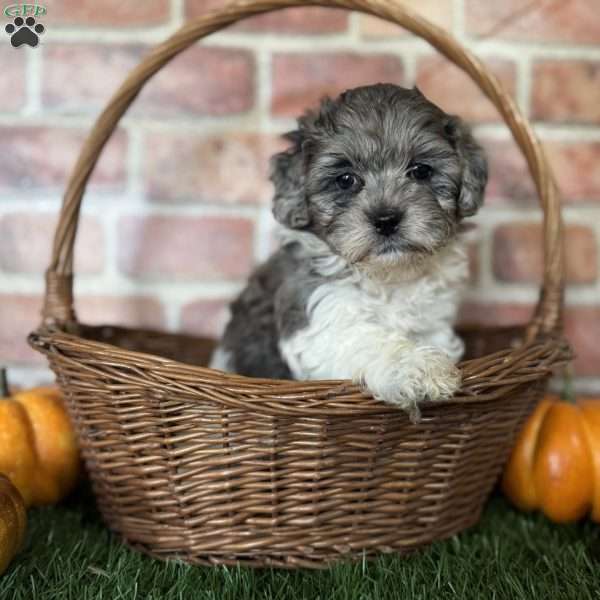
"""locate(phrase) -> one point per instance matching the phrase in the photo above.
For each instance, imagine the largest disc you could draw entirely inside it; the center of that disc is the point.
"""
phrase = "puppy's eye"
(347, 181)
(420, 172)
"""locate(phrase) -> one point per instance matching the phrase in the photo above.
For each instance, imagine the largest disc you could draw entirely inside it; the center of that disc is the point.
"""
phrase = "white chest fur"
(358, 322)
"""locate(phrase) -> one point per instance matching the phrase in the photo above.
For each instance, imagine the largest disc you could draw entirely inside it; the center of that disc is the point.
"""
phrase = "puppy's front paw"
(422, 374)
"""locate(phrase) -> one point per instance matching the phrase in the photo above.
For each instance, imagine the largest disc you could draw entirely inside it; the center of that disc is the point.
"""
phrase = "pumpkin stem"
(3, 383)
(568, 392)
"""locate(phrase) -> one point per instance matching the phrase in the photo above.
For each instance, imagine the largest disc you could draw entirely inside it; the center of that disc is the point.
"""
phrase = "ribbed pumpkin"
(38, 450)
(13, 520)
(555, 464)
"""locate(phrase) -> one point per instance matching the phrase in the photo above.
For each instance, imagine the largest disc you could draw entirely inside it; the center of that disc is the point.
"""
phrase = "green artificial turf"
(69, 554)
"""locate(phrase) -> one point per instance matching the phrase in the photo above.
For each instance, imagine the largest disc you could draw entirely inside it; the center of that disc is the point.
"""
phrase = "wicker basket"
(214, 468)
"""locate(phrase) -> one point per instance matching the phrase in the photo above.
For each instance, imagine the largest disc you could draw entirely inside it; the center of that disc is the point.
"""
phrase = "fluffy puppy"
(365, 286)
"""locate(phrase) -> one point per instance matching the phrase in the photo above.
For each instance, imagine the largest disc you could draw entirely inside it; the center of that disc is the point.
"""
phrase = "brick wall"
(178, 208)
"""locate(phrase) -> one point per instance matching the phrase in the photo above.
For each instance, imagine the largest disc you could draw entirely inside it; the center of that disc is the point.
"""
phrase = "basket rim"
(485, 380)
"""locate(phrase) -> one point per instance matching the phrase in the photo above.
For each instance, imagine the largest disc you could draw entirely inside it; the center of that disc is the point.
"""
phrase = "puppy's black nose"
(387, 223)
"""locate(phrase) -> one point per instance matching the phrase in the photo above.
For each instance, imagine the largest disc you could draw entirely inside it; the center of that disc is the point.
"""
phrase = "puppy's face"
(380, 174)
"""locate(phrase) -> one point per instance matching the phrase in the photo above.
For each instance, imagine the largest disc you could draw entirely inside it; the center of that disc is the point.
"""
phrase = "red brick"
(309, 20)
(229, 168)
(306, 20)
(106, 13)
(26, 241)
(439, 12)
(80, 78)
(575, 165)
(19, 316)
(12, 82)
(509, 178)
(130, 311)
(582, 328)
(494, 314)
(450, 88)
(205, 317)
(474, 263)
(518, 253)
(43, 157)
(211, 81)
(574, 21)
(185, 247)
(201, 81)
(566, 91)
(301, 80)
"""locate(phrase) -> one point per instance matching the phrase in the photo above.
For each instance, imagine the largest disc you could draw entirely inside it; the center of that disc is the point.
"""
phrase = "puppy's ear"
(474, 167)
(287, 174)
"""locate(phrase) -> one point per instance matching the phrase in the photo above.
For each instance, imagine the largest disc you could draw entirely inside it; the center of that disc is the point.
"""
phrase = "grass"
(70, 555)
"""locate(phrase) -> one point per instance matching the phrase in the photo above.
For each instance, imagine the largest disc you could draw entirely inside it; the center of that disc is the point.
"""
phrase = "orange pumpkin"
(38, 450)
(555, 464)
(13, 520)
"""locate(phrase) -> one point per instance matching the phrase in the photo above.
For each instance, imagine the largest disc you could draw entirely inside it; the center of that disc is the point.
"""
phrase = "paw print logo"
(24, 32)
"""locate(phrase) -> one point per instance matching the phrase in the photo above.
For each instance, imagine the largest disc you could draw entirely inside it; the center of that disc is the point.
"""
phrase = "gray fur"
(273, 305)
(289, 204)
(378, 134)
(251, 335)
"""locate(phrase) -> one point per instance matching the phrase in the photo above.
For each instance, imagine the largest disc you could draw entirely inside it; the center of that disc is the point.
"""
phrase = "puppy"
(371, 194)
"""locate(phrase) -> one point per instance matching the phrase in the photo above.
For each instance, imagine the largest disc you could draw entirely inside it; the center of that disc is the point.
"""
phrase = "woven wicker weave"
(216, 468)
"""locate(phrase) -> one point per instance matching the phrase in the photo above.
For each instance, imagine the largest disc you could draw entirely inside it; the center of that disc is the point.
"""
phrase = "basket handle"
(58, 306)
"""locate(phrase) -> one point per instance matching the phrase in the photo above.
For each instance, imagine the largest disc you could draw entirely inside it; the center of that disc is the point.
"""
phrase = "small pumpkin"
(38, 449)
(13, 520)
(555, 463)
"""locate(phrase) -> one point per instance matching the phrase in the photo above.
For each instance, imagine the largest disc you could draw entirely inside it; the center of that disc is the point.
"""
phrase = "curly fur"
(347, 296)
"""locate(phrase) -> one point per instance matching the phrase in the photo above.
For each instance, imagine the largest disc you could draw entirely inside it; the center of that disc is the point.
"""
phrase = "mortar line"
(33, 81)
